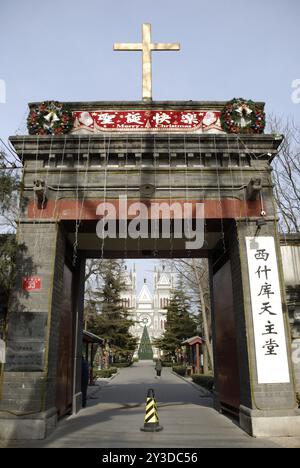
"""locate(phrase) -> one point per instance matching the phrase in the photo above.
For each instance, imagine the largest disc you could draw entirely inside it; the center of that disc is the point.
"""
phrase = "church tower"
(129, 294)
(148, 309)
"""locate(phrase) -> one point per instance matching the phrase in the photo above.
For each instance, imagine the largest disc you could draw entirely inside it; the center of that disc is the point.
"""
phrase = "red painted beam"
(70, 209)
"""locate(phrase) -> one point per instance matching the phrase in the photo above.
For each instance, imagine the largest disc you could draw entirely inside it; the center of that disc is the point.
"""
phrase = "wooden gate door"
(64, 389)
(227, 374)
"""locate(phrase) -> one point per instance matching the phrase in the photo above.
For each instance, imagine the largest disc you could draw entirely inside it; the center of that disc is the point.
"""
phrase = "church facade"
(148, 309)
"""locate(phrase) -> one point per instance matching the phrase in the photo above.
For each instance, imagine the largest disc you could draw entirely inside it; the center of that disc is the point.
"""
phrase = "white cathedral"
(147, 309)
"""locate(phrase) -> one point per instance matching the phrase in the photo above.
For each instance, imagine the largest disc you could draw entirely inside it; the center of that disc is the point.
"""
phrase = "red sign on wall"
(32, 283)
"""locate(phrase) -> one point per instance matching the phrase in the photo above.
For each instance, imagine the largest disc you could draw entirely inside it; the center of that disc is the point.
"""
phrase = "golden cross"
(146, 47)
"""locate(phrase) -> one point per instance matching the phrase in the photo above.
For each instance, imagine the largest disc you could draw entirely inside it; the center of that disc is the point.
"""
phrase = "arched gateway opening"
(123, 158)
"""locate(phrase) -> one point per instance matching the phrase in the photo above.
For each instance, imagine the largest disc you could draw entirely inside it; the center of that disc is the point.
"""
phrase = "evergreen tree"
(180, 325)
(145, 348)
(111, 320)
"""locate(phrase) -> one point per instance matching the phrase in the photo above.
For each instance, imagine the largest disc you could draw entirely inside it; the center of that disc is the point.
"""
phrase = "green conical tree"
(112, 321)
(180, 324)
(145, 349)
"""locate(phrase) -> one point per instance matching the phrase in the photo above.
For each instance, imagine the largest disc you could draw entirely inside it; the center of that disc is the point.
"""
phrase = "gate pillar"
(28, 383)
(268, 405)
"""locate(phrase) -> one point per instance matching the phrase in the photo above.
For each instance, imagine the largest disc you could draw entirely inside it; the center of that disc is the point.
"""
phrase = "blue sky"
(63, 50)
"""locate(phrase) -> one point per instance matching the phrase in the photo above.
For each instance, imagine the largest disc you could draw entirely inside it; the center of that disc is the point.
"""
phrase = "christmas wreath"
(50, 118)
(242, 116)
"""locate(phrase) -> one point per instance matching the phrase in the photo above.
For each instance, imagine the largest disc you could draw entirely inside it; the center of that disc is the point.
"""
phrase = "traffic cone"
(151, 423)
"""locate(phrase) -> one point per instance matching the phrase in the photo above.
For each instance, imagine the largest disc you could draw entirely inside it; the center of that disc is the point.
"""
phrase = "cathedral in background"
(148, 309)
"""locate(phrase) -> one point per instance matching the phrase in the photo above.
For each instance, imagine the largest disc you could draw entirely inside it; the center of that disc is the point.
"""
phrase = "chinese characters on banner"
(269, 332)
(147, 120)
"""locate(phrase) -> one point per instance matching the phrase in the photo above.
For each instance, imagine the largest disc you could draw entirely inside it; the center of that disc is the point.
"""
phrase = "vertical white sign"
(269, 331)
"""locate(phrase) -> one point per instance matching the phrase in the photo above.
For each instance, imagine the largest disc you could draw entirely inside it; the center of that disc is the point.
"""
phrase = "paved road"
(115, 414)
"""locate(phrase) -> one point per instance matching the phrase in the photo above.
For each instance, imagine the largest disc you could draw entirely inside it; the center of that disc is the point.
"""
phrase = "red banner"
(147, 120)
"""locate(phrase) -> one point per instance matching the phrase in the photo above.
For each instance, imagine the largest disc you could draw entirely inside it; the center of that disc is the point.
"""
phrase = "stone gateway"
(174, 152)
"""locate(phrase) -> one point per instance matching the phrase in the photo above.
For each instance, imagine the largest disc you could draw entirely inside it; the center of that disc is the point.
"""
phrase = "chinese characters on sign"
(26, 344)
(269, 332)
(32, 283)
(25, 356)
(147, 120)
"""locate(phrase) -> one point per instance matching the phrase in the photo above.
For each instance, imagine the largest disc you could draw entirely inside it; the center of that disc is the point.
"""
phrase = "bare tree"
(9, 207)
(93, 278)
(194, 273)
(93, 271)
(9, 194)
(286, 174)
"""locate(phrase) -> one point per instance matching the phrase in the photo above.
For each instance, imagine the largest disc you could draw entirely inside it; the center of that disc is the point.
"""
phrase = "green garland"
(243, 116)
(50, 118)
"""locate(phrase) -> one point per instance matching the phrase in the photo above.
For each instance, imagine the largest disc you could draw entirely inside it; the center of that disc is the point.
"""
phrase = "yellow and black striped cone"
(151, 423)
